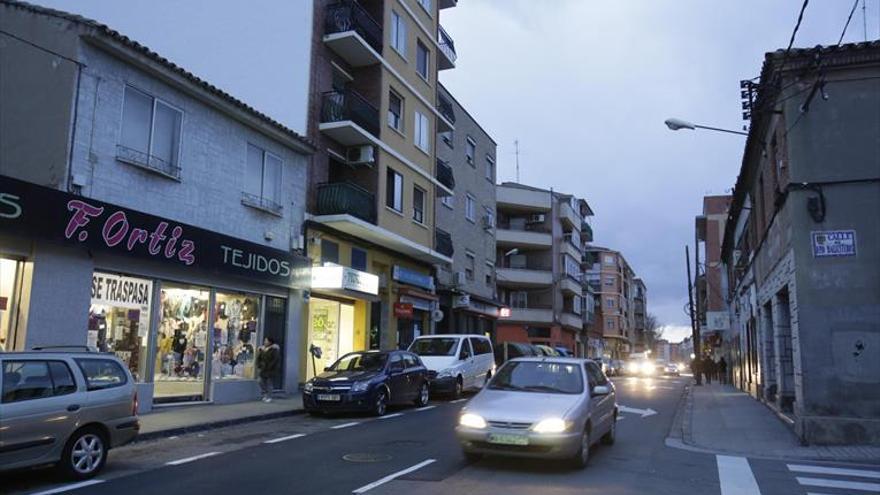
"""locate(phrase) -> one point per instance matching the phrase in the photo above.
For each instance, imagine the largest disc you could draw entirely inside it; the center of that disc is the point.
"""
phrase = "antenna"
(864, 20)
(516, 147)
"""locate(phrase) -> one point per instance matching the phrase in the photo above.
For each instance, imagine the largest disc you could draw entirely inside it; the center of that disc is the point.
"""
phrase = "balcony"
(572, 249)
(349, 118)
(586, 232)
(520, 199)
(523, 277)
(444, 106)
(446, 57)
(444, 176)
(345, 198)
(507, 238)
(571, 320)
(443, 242)
(147, 162)
(352, 33)
(531, 315)
(571, 286)
(445, 4)
(569, 217)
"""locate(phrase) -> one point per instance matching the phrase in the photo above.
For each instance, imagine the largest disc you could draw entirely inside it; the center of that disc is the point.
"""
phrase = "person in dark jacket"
(722, 371)
(268, 366)
(708, 369)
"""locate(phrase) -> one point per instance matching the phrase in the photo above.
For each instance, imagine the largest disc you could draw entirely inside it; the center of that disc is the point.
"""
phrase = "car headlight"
(550, 425)
(445, 373)
(647, 368)
(308, 387)
(360, 386)
(472, 421)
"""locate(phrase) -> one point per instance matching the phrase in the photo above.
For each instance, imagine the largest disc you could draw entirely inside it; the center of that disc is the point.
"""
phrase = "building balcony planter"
(352, 33)
(443, 242)
(447, 55)
(345, 198)
(349, 118)
(445, 176)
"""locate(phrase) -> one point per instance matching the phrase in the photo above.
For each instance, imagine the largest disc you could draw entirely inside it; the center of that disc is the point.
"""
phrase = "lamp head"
(675, 124)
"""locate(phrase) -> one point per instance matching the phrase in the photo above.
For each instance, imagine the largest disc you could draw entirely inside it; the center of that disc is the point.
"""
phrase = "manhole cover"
(366, 457)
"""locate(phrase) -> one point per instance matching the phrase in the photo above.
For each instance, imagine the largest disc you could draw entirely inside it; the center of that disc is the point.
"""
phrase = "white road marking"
(849, 485)
(643, 412)
(190, 459)
(801, 468)
(456, 401)
(735, 476)
(392, 476)
(425, 408)
(620, 418)
(73, 486)
(282, 439)
(390, 416)
(344, 425)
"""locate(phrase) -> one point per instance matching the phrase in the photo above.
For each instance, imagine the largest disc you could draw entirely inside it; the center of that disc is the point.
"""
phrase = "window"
(394, 190)
(358, 259)
(465, 351)
(418, 204)
(422, 132)
(448, 201)
(262, 179)
(609, 324)
(411, 361)
(609, 302)
(102, 373)
(489, 216)
(150, 132)
(27, 380)
(481, 346)
(608, 259)
(395, 111)
(609, 281)
(426, 4)
(470, 150)
(470, 208)
(398, 33)
(448, 138)
(490, 169)
(488, 279)
(470, 265)
(422, 59)
(329, 252)
(596, 377)
(396, 363)
(519, 299)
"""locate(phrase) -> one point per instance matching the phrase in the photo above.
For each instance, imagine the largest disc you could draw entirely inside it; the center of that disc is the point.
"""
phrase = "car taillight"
(134, 404)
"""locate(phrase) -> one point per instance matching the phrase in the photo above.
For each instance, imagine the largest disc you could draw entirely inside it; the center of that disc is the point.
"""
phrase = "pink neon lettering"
(186, 252)
(175, 234)
(82, 213)
(116, 219)
(137, 235)
(157, 237)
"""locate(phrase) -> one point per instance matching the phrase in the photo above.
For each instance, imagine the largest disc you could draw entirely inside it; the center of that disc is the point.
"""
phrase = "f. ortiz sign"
(40, 212)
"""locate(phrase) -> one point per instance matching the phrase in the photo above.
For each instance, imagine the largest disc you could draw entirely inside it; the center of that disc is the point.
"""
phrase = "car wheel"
(381, 403)
(610, 437)
(84, 454)
(459, 388)
(582, 458)
(422, 397)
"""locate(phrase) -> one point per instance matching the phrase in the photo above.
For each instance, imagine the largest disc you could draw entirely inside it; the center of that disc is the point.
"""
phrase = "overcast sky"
(584, 85)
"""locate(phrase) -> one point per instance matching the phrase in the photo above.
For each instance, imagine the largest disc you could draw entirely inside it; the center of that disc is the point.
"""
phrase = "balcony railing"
(443, 242)
(586, 232)
(345, 198)
(445, 108)
(261, 203)
(338, 106)
(445, 175)
(447, 46)
(147, 161)
(348, 15)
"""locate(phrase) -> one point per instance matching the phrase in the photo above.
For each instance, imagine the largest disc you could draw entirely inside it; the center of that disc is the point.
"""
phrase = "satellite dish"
(437, 315)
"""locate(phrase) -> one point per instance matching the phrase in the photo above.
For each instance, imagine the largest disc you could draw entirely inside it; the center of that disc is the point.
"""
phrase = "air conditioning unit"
(459, 278)
(360, 155)
(488, 221)
(536, 218)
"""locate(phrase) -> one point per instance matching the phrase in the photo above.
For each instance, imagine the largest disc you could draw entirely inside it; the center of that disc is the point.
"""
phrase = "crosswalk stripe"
(735, 476)
(860, 473)
(849, 485)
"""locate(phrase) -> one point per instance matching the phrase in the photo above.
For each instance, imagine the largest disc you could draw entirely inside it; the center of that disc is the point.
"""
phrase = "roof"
(103, 30)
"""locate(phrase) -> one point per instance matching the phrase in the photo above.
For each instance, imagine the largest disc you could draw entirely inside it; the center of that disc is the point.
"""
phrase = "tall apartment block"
(541, 236)
(711, 293)
(613, 282)
(374, 117)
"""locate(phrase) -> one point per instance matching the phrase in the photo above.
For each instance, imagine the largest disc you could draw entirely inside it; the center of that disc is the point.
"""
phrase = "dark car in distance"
(368, 381)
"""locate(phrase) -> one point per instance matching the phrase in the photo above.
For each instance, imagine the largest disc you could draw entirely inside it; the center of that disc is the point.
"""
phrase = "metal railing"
(443, 242)
(447, 46)
(348, 15)
(444, 106)
(346, 198)
(586, 232)
(261, 203)
(147, 161)
(338, 106)
(445, 175)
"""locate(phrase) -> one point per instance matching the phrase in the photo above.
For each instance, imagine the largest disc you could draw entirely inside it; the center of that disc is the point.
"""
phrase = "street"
(414, 450)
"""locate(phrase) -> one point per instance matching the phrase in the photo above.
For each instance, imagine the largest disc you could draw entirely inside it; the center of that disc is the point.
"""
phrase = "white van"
(456, 362)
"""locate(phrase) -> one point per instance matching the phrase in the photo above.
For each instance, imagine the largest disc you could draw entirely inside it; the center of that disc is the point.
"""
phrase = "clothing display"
(181, 343)
(235, 327)
(117, 330)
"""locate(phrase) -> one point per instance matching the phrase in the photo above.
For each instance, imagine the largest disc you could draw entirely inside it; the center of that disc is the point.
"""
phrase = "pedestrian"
(708, 369)
(268, 365)
(722, 371)
(696, 369)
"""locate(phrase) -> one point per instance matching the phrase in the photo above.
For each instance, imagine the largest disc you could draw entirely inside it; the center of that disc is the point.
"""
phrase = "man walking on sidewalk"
(722, 371)
(268, 364)
(708, 369)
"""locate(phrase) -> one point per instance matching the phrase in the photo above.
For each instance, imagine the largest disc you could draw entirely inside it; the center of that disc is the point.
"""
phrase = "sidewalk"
(723, 419)
(177, 420)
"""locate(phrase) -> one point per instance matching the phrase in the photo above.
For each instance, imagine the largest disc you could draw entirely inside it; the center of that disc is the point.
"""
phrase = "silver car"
(64, 408)
(545, 407)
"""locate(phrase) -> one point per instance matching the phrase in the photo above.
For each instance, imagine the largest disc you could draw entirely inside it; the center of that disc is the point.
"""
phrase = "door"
(398, 379)
(466, 360)
(39, 409)
(602, 406)
(275, 326)
(483, 359)
(415, 373)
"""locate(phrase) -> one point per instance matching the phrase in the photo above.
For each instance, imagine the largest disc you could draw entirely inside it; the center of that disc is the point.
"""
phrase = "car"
(609, 366)
(639, 367)
(562, 351)
(455, 362)
(671, 369)
(541, 407)
(511, 350)
(546, 350)
(67, 408)
(368, 381)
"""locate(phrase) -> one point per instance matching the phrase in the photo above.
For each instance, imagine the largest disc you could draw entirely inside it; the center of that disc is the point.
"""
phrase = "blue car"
(368, 381)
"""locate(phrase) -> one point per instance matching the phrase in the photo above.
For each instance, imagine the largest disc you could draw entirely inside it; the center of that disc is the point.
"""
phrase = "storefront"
(416, 306)
(184, 308)
(468, 314)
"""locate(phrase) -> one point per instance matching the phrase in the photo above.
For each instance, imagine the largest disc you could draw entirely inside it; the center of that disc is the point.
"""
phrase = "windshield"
(360, 361)
(546, 377)
(441, 346)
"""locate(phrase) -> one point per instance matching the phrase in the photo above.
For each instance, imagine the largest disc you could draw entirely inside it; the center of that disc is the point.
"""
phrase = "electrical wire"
(848, 19)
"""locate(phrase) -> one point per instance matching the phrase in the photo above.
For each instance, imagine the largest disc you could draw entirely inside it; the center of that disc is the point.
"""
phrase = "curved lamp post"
(677, 124)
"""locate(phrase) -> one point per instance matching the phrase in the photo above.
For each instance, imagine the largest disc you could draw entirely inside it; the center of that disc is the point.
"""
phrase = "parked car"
(368, 381)
(563, 352)
(512, 350)
(546, 350)
(609, 366)
(456, 362)
(552, 408)
(64, 408)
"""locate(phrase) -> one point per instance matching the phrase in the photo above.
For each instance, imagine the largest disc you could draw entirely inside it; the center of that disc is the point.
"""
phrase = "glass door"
(331, 328)
(181, 344)
(10, 275)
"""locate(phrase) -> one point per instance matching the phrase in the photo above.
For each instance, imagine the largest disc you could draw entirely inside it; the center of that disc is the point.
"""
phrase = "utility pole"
(695, 334)
(516, 148)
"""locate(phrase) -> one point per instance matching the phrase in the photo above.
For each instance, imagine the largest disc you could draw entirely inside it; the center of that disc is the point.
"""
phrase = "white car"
(455, 362)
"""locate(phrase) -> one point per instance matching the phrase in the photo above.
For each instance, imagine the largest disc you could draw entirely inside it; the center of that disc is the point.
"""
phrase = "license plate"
(508, 439)
(329, 397)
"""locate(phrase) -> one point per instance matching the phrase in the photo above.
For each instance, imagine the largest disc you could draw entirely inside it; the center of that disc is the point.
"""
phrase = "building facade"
(614, 285)
(642, 341)
(467, 292)
(374, 116)
(800, 244)
(539, 253)
(145, 212)
(711, 290)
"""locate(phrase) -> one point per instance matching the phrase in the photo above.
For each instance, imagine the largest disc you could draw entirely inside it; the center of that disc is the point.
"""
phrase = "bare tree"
(653, 330)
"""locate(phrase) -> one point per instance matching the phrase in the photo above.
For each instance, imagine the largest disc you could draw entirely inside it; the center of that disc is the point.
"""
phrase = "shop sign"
(117, 290)
(504, 313)
(42, 212)
(717, 320)
(343, 277)
(412, 277)
(403, 310)
(461, 301)
(830, 243)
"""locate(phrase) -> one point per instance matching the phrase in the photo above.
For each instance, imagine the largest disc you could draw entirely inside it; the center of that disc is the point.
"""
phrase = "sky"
(583, 85)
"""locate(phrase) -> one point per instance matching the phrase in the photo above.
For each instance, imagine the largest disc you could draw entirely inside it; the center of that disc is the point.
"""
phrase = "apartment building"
(466, 221)
(540, 247)
(640, 315)
(374, 116)
(614, 284)
(711, 290)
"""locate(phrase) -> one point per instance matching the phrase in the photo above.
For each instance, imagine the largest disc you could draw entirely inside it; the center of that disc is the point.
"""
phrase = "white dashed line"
(190, 459)
(735, 476)
(620, 418)
(392, 476)
(283, 439)
(848, 485)
(425, 408)
(390, 416)
(344, 425)
(456, 401)
(73, 486)
(802, 468)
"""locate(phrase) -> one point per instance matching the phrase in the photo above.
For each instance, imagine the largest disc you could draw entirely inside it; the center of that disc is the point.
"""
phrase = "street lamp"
(677, 124)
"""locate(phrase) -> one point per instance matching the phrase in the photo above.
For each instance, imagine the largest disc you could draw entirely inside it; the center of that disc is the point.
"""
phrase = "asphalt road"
(414, 451)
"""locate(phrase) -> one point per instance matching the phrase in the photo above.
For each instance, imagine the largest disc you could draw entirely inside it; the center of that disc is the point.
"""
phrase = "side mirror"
(601, 390)
(326, 368)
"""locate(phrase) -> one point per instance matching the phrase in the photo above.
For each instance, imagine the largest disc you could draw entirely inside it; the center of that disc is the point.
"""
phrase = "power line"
(845, 26)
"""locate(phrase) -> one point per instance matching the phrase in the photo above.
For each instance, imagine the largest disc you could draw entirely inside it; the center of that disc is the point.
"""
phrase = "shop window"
(150, 132)
(10, 281)
(329, 252)
(358, 259)
(331, 328)
(236, 325)
(119, 319)
(181, 344)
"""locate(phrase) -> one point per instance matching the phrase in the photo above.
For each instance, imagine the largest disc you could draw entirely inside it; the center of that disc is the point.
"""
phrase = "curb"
(183, 430)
